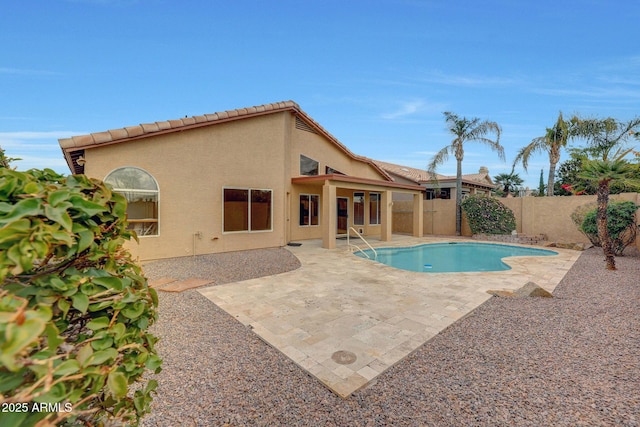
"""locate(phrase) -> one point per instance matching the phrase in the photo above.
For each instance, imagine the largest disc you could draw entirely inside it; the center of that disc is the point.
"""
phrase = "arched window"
(140, 189)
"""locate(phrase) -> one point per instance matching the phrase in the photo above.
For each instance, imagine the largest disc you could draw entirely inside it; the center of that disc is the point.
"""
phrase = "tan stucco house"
(249, 178)
(444, 187)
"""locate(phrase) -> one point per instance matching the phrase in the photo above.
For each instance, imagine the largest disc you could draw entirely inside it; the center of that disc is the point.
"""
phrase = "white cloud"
(615, 93)
(469, 81)
(406, 109)
(36, 149)
(412, 108)
(37, 135)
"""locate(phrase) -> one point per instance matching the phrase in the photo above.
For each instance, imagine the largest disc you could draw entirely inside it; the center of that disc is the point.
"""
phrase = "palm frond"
(439, 158)
(536, 145)
(609, 170)
(494, 145)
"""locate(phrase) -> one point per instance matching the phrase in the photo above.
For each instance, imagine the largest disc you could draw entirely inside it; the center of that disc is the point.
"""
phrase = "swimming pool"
(453, 257)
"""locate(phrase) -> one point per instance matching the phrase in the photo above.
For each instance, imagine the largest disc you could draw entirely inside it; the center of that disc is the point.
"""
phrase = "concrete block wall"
(548, 216)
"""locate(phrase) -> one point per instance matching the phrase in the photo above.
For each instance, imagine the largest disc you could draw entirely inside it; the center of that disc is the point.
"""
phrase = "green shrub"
(487, 215)
(74, 307)
(621, 223)
(579, 213)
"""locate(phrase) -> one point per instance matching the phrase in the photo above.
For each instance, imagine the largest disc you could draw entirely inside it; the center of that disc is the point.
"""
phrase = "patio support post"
(386, 215)
(418, 215)
(329, 215)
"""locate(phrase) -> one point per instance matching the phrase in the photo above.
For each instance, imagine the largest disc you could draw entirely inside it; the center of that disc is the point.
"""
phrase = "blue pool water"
(452, 257)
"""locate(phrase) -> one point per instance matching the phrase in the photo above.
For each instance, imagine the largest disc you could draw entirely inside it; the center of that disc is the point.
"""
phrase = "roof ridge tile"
(149, 127)
(134, 130)
(164, 125)
(118, 133)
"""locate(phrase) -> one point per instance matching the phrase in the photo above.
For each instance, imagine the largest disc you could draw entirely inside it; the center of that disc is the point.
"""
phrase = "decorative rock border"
(522, 239)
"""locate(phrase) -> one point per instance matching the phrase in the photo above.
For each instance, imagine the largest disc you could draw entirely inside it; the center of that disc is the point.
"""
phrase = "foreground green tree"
(603, 172)
(74, 307)
(568, 182)
(552, 142)
(464, 130)
(621, 223)
(607, 164)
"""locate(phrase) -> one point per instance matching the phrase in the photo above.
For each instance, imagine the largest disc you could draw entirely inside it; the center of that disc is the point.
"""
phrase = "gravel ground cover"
(573, 360)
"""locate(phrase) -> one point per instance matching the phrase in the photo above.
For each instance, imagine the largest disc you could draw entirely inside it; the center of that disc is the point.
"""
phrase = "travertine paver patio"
(345, 319)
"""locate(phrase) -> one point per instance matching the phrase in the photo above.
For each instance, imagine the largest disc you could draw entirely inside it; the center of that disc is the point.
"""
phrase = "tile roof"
(73, 147)
(421, 176)
(146, 129)
(412, 174)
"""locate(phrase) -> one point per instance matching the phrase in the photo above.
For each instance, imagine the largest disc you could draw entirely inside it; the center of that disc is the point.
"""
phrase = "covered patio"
(333, 183)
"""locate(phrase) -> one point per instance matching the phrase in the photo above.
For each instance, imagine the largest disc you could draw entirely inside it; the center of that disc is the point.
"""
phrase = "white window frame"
(121, 191)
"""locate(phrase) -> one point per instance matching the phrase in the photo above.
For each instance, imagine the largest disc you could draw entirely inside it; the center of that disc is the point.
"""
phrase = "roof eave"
(321, 179)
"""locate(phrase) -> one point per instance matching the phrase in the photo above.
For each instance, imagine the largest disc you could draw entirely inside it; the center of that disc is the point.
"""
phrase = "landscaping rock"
(569, 245)
(582, 246)
(528, 290)
(499, 293)
(518, 238)
(531, 290)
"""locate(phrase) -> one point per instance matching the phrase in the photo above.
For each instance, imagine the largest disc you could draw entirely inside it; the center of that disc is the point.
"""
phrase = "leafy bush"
(579, 214)
(487, 215)
(74, 307)
(621, 223)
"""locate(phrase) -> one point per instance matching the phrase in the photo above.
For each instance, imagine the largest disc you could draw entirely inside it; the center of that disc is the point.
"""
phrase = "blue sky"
(376, 74)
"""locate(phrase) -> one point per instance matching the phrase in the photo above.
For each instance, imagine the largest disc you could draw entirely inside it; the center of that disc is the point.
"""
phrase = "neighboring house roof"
(73, 148)
(421, 176)
(412, 174)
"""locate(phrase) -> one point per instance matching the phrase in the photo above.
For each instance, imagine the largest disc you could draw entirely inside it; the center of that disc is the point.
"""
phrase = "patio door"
(343, 216)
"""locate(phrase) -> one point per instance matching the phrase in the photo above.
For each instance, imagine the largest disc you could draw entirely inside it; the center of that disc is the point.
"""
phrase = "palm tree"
(509, 182)
(464, 130)
(603, 172)
(605, 136)
(607, 164)
(552, 142)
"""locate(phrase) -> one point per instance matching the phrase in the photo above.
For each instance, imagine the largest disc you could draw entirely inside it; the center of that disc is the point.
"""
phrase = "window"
(308, 166)
(309, 209)
(329, 171)
(358, 208)
(374, 208)
(445, 193)
(141, 191)
(430, 194)
(247, 209)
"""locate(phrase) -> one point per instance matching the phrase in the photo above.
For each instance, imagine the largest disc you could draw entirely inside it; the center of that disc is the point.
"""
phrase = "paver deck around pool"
(346, 319)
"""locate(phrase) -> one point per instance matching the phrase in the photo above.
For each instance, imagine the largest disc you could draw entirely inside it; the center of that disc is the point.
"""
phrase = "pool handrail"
(349, 244)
